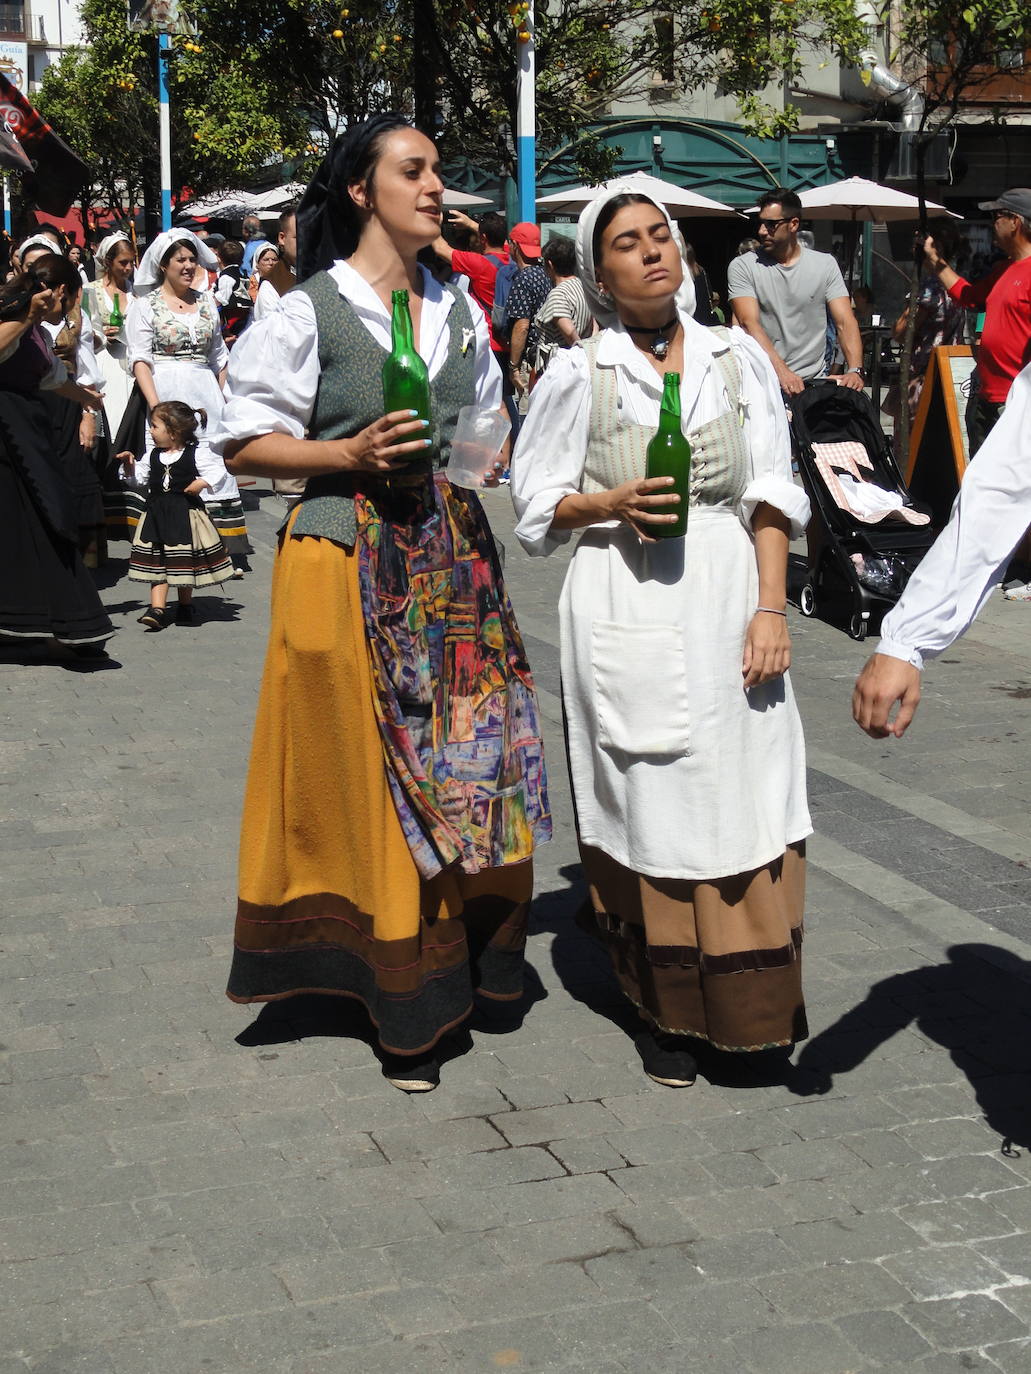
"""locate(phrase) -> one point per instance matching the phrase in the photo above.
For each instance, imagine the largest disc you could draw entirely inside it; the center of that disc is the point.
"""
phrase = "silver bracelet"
(770, 611)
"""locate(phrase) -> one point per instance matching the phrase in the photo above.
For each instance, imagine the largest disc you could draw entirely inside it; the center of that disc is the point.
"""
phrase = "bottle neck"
(401, 333)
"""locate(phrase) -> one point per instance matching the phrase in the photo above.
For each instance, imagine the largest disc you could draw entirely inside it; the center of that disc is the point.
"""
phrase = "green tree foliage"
(273, 81)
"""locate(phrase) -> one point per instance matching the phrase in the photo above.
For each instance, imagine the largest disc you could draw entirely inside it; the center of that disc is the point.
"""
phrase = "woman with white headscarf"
(115, 259)
(685, 747)
(177, 353)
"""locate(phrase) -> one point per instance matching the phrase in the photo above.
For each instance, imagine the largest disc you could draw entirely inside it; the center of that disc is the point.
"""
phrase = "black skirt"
(45, 589)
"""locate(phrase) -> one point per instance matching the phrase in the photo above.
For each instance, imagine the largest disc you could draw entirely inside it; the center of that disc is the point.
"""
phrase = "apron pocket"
(640, 677)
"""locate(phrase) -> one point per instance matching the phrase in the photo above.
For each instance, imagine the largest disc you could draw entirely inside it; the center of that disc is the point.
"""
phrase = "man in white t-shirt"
(956, 578)
(781, 295)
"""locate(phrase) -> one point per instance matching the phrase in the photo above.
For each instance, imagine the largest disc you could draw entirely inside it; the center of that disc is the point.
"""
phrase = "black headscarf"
(328, 222)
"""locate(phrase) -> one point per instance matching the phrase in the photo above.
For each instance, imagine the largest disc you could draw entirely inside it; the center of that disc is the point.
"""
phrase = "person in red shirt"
(1005, 296)
(481, 268)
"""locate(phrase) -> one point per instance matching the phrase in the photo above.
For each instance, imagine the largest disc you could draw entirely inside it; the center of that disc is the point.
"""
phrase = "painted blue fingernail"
(413, 413)
(425, 423)
(428, 443)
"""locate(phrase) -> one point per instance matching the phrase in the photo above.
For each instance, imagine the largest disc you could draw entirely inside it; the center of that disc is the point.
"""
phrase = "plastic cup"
(479, 436)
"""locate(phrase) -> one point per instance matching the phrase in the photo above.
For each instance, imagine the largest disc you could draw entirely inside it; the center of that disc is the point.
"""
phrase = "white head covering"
(105, 245)
(148, 274)
(40, 241)
(602, 305)
(260, 245)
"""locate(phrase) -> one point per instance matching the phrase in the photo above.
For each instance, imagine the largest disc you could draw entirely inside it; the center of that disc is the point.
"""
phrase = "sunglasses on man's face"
(770, 225)
(1003, 214)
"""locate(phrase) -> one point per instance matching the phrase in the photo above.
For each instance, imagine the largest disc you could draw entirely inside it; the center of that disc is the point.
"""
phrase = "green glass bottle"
(116, 319)
(669, 455)
(406, 381)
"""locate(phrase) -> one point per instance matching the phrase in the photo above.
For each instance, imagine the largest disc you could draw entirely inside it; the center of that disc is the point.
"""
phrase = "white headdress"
(602, 305)
(262, 246)
(148, 274)
(105, 245)
(40, 241)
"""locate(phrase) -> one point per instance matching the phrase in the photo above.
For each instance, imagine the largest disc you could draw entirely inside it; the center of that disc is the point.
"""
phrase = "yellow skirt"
(330, 898)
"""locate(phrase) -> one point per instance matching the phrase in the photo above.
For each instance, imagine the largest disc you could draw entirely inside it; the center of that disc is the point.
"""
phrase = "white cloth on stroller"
(842, 466)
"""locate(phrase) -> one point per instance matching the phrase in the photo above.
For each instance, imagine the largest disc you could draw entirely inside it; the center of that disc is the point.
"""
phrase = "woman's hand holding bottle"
(643, 502)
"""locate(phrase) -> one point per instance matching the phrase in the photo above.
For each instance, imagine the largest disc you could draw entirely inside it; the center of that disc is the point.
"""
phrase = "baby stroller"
(866, 535)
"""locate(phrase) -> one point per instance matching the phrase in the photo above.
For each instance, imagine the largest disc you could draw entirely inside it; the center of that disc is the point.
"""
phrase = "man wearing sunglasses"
(781, 295)
(1005, 297)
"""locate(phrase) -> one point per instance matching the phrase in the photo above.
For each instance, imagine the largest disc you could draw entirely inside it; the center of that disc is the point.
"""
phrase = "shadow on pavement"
(580, 961)
(977, 1006)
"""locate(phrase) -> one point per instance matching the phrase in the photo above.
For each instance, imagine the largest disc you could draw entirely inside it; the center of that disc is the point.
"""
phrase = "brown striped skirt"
(719, 960)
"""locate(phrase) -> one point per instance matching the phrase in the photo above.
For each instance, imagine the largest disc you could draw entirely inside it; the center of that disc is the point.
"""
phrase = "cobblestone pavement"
(186, 1185)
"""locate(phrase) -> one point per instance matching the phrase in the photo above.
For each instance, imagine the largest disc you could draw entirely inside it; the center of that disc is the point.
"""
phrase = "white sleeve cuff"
(783, 495)
(894, 649)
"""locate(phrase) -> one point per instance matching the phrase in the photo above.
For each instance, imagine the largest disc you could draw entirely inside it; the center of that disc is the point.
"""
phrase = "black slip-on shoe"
(666, 1058)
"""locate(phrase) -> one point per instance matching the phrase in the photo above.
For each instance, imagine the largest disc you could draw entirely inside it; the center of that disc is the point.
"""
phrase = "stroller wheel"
(807, 599)
(858, 626)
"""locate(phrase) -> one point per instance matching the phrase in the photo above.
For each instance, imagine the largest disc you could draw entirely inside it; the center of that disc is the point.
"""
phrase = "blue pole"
(164, 130)
(7, 207)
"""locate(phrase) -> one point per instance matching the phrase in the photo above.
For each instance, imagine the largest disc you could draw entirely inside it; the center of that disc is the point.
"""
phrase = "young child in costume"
(175, 544)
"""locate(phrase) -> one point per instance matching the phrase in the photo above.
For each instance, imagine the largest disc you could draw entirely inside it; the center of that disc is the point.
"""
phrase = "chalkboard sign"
(938, 448)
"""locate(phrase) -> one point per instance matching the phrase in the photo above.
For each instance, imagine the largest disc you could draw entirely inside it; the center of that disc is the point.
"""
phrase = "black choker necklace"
(659, 345)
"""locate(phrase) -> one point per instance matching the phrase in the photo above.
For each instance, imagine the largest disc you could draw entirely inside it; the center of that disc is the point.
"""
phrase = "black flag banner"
(57, 174)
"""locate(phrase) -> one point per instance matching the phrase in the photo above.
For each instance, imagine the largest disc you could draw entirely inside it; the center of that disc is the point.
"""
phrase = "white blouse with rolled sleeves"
(678, 772)
(274, 367)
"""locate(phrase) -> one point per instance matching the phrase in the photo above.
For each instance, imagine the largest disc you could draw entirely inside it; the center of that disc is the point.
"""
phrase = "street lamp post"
(165, 129)
(526, 117)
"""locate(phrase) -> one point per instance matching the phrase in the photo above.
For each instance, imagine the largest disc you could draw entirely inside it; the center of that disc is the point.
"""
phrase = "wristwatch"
(858, 370)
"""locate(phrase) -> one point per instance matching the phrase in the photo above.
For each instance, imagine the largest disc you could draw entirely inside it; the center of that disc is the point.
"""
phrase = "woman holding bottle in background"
(396, 788)
(684, 743)
(107, 303)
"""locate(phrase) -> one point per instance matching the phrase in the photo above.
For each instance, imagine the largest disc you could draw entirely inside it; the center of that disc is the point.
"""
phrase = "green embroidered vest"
(350, 398)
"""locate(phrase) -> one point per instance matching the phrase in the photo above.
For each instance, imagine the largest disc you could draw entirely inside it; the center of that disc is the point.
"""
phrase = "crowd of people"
(398, 789)
(90, 349)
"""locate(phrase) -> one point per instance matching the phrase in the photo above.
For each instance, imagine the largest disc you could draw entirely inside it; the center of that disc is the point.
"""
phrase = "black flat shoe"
(155, 618)
(412, 1073)
(666, 1058)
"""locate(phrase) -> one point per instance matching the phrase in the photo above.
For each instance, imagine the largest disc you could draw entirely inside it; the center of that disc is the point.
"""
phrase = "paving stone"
(835, 1289)
(850, 1238)
(944, 1271)
(419, 1310)
(743, 1256)
(344, 1273)
(575, 1238)
(525, 1292)
(558, 1197)
(810, 1349)
(883, 1336)
(964, 1323)
(947, 1139)
(591, 1156)
(555, 1123)
(811, 1159)
(213, 1296)
(442, 1139)
(959, 1219)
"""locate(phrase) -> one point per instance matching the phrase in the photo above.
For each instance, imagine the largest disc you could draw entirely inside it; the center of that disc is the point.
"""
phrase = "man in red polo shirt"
(1005, 296)
(481, 268)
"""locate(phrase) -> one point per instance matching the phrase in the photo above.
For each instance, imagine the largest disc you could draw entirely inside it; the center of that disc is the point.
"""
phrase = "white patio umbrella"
(679, 202)
(279, 196)
(464, 200)
(857, 200)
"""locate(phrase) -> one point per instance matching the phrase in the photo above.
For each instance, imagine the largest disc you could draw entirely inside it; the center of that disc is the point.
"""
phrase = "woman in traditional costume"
(685, 747)
(178, 354)
(45, 590)
(116, 259)
(396, 789)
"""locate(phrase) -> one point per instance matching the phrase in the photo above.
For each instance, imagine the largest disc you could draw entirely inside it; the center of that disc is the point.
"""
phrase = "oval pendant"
(660, 348)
